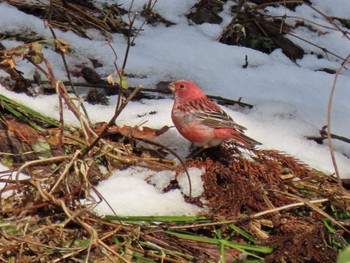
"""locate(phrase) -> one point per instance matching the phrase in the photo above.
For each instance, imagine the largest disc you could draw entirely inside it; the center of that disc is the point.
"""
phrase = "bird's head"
(185, 91)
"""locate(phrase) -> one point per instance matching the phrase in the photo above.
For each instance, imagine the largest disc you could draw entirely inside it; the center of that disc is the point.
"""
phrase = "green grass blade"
(157, 219)
(25, 113)
(242, 233)
(231, 244)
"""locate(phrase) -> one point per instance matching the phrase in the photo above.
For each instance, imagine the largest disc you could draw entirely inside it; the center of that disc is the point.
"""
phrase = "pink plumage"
(200, 120)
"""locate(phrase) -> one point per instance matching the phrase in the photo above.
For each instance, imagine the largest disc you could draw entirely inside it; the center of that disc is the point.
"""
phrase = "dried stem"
(260, 214)
(69, 76)
(131, 40)
(329, 114)
(118, 111)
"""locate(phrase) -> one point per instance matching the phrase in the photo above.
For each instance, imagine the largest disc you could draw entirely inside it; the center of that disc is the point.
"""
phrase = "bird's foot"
(195, 151)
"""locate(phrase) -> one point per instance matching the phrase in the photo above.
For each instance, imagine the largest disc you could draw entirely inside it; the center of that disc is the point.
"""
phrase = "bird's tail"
(245, 140)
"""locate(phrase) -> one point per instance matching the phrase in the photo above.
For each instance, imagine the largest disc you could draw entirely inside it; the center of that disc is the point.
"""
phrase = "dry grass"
(268, 205)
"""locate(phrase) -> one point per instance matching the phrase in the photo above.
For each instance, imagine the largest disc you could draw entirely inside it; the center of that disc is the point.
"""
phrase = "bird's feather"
(212, 115)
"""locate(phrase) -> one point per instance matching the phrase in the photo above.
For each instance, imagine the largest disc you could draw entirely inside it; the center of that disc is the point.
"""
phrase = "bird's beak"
(171, 87)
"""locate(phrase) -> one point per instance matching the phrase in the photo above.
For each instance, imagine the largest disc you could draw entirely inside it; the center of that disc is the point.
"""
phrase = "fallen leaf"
(135, 131)
(24, 131)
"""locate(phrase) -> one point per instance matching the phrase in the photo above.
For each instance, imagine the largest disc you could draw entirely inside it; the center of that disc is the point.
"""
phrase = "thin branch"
(260, 214)
(219, 99)
(323, 136)
(329, 113)
(118, 111)
(69, 76)
(130, 40)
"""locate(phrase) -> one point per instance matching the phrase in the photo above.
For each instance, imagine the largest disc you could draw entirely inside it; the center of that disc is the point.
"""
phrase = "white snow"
(197, 187)
(9, 174)
(290, 99)
(128, 192)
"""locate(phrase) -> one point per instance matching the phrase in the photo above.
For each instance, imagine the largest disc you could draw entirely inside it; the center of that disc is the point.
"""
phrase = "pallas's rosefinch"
(202, 121)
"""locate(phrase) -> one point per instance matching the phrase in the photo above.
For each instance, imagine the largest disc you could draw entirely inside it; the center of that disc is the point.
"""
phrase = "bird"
(201, 121)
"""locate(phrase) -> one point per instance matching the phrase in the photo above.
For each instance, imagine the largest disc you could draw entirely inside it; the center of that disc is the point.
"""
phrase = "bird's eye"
(182, 86)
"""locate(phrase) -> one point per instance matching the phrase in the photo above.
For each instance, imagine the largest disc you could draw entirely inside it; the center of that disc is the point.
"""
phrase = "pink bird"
(202, 121)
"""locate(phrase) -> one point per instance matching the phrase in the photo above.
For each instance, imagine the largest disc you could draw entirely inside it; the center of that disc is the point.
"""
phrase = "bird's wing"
(212, 115)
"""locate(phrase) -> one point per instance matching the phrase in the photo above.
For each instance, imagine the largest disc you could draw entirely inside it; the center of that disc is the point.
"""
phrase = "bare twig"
(69, 75)
(131, 40)
(329, 113)
(219, 99)
(254, 216)
(323, 136)
(118, 110)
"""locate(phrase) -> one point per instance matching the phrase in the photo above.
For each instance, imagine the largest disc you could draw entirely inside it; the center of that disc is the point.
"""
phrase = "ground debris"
(77, 16)
(253, 197)
(206, 11)
(239, 186)
(256, 30)
(260, 198)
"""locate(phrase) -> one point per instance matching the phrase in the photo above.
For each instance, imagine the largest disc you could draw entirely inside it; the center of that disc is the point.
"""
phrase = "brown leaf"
(15, 139)
(135, 131)
(23, 130)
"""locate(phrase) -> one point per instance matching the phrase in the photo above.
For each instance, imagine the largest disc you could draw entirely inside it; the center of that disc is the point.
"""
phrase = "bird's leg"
(194, 151)
(193, 147)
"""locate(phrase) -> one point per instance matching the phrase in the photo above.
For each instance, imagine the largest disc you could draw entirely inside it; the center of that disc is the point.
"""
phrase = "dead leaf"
(23, 130)
(135, 131)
